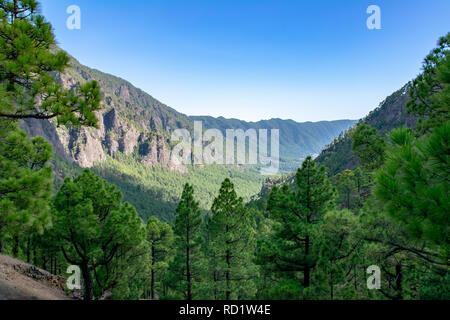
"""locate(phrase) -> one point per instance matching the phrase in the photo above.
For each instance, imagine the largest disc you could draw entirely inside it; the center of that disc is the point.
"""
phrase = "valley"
(131, 147)
(108, 193)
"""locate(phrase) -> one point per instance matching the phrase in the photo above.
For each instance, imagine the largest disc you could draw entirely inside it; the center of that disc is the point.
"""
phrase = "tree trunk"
(164, 289)
(34, 255)
(215, 283)
(348, 200)
(307, 276)
(398, 281)
(188, 274)
(228, 292)
(152, 293)
(87, 280)
(188, 264)
(153, 274)
(28, 249)
(228, 262)
(307, 271)
(16, 246)
(331, 290)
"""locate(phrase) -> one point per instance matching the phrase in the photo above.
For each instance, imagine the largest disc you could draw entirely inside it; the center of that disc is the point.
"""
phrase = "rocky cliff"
(134, 123)
(131, 122)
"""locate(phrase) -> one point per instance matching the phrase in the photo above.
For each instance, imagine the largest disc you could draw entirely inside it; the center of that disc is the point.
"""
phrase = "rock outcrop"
(23, 281)
(130, 122)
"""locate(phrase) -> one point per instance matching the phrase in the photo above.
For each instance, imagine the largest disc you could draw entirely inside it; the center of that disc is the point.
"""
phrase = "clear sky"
(256, 59)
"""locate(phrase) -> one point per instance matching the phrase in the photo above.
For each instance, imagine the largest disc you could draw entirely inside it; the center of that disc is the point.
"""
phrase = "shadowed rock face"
(86, 146)
(131, 122)
(46, 129)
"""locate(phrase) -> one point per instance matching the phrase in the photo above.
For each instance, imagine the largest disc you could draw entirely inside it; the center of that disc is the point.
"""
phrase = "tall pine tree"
(231, 245)
(297, 213)
(430, 91)
(160, 237)
(96, 231)
(29, 60)
(413, 187)
(184, 270)
(25, 182)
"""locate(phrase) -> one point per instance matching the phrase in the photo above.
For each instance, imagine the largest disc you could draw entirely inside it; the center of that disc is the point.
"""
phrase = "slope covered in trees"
(316, 237)
(132, 122)
(131, 145)
(392, 113)
(156, 191)
(297, 140)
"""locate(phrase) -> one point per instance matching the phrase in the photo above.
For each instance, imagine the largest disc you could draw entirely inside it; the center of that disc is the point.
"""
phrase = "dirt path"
(22, 281)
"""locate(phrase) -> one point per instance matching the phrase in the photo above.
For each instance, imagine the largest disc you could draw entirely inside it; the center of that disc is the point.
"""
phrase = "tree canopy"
(29, 60)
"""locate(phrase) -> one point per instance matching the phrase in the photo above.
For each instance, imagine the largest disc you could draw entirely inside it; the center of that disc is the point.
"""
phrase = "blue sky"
(256, 59)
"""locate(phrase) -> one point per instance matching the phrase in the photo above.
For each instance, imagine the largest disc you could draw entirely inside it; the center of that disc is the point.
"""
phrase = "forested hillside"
(392, 113)
(133, 122)
(156, 191)
(297, 140)
(133, 135)
(389, 174)
(379, 231)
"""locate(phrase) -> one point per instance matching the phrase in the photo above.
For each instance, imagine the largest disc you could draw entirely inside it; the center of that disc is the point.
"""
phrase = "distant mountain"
(297, 140)
(391, 113)
(131, 148)
(133, 122)
(338, 155)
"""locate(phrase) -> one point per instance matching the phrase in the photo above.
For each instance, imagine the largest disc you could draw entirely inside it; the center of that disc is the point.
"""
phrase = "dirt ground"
(22, 281)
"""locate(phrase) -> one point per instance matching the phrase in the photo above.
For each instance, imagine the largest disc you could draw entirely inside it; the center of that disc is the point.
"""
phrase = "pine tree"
(340, 246)
(346, 185)
(29, 60)
(294, 244)
(231, 233)
(369, 146)
(184, 270)
(96, 231)
(25, 182)
(28, 57)
(413, 187)
(387, 245)
(160, 238)
(430, 91)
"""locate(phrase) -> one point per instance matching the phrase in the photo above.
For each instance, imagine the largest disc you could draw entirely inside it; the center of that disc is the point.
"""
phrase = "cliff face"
(114, 135)
(131, 122)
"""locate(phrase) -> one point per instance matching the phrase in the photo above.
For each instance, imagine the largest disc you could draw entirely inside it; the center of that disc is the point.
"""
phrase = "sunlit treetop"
(29, 60)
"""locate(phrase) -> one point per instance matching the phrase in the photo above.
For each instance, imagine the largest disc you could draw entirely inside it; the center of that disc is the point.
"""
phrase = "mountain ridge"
(131, 147)
(338, 155)
(297, 139)
(134, 122)
(391, 113)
